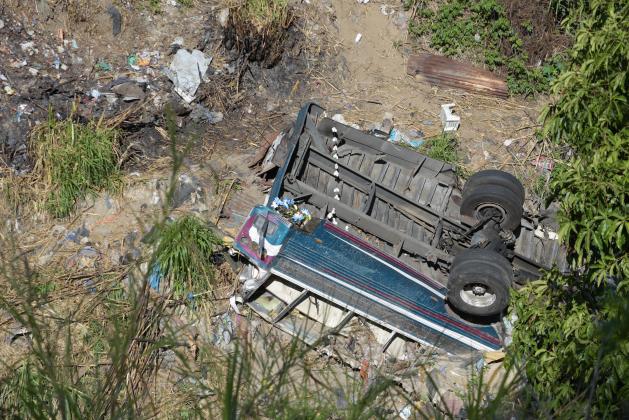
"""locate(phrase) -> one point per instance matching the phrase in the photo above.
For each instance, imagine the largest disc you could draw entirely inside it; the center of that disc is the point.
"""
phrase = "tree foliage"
(572, 331)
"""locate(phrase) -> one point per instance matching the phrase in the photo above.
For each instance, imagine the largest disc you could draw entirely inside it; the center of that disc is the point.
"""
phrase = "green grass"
(266, 15)
(184, 255)
(443, 147)
(74, 160)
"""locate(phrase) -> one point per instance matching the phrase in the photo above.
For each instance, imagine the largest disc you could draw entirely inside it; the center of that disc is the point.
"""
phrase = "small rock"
(1, 24)
(129, 91)
(223, 17)
(201, 113)
(33, 71)
(27, 46)
(175, 106)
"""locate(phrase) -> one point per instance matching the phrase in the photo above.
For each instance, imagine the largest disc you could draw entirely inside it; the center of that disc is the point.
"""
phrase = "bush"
(569, 334)
(184, 255)
(72, 161)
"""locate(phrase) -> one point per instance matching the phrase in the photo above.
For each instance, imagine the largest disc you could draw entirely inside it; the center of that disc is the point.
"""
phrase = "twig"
(220, 209)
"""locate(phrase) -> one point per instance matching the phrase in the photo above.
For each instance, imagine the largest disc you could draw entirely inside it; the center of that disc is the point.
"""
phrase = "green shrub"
(184, 255)
(571, 334)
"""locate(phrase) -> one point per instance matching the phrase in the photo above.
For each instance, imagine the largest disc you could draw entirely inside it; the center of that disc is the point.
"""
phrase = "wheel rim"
(477, 295)
(489, 211)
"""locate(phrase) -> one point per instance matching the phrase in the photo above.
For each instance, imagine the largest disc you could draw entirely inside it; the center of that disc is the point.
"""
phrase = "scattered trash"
(1, 24)
(387, 10)
(544, 163)
(508, 323)
(200, 113)
(224, 331)
(413, 139)
(449, 120)
(23, 109)
(477, 37)
(406, 412)
(223, 17)
(116, 19)
(444, 71)
(9, 90)
(27, 46)
(232, 302)
(19, 332)
(74, 44)
(507, 142)
(132, 61)
(358, 38)
(33, 71)
(176, 45)
(363, 1)
(130, 91)
(546, 234)
(95, 93)
(155, 278)
(85, 258)
(103, 65)
(186, 71)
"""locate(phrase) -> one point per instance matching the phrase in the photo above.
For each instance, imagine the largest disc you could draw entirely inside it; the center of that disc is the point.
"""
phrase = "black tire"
(479, 283)
(496, 191)
(496, 177)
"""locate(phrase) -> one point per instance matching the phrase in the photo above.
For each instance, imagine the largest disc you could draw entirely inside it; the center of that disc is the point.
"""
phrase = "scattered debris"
(544, 163)
(444, 71)
(130, 91)
(200, 113)
(223, 17)
(358, 38)
(449, 120)
(186, 72)
(116, 19)
(412, 138)
(387, 9)
(103, 65)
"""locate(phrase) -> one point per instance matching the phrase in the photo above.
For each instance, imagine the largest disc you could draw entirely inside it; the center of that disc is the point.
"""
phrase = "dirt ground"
(51, 56)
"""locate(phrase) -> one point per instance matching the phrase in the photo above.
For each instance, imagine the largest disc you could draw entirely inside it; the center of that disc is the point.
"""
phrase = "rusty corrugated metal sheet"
(444, 71)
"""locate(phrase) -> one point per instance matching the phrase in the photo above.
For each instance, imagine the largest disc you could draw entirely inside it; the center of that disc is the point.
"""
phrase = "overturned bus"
(365, 228)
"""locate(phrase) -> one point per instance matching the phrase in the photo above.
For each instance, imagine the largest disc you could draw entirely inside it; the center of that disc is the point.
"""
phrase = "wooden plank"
(444, 71)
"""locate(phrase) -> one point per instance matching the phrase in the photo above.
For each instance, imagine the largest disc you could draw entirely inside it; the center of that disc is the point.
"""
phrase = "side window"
(259, 222)
(271, 229)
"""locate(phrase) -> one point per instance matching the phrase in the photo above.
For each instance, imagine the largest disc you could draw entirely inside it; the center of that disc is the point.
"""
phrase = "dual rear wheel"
(480, 279)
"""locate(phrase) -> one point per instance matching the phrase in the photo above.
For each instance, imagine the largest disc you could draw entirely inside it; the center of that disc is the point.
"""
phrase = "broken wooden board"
(444, 71)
